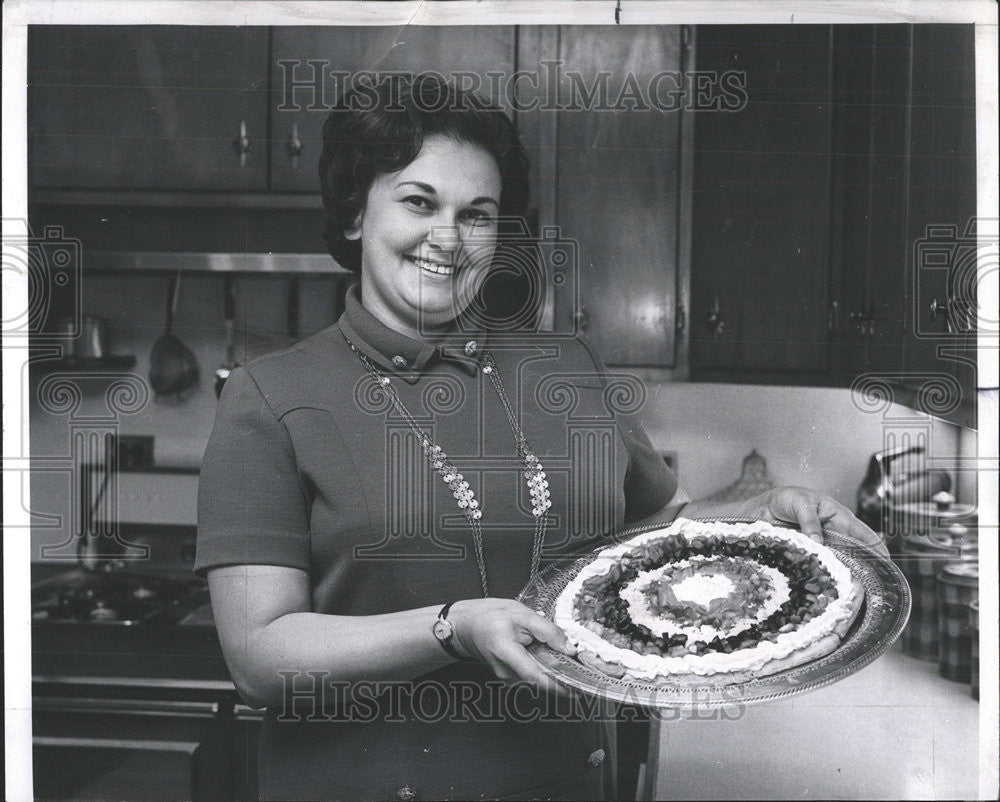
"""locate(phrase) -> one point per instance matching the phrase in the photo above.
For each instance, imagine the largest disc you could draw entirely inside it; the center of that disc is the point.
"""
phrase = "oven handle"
(156, 707)
(189, 748)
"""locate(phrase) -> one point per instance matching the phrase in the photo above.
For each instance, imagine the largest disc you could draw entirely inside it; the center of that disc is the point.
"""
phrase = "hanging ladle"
(172, 365)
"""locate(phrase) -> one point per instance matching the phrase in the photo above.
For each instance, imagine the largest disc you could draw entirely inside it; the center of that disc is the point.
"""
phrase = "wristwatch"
(444, 632)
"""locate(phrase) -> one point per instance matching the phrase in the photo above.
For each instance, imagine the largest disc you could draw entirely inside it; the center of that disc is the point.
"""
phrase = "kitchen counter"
(894, 730)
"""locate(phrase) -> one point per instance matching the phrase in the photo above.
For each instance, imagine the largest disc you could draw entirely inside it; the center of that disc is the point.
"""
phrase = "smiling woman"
(345, 588)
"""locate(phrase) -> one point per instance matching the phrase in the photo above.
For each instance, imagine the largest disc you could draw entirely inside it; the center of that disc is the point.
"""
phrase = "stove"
(117, 599)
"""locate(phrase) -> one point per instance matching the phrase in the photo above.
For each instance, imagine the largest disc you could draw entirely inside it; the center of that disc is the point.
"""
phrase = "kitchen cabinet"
(941, 305)
(760, 262)
(905, 199)
(308, 66)
(160, 108)
(833, 217)
(614, 158)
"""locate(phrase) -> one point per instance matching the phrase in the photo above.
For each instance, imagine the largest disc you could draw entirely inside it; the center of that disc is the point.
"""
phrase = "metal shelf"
(192, 262)
(113, 362)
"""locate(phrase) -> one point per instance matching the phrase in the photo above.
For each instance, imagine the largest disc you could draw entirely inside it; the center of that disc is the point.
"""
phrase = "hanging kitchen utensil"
(172, 365)
(229, 311)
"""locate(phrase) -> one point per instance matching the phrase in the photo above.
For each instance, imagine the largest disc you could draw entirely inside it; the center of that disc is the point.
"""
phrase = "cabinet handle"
(581, 318)
(865, 321)
(294, 146)
(242, 144)
(681, 320)
(833, 317)
(862, 321)
(936, 309)
(958, 316)
(714, 321)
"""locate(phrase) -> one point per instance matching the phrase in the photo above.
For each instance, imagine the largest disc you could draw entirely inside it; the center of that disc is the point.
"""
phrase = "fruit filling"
(676, 596)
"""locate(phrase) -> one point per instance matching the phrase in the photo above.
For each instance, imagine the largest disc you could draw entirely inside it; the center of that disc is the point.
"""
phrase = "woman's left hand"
(812, 512)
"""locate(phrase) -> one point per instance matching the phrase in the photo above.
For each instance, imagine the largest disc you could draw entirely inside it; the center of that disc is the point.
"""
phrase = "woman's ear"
(353, 232)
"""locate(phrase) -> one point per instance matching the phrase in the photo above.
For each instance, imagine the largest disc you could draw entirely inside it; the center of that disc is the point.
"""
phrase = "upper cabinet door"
(942, 308)
(310, 66)
(869, 244)
(618, 164)
(761, 193)
(148, 107)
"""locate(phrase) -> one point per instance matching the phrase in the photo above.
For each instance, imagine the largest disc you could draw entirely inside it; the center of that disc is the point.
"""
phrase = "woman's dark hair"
(380, 128)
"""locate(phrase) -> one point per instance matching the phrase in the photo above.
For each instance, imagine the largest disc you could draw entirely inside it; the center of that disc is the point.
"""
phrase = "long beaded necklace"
(465, 498)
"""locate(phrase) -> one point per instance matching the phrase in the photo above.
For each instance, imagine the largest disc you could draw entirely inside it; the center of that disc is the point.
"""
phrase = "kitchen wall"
(817, 437)
(135, 308)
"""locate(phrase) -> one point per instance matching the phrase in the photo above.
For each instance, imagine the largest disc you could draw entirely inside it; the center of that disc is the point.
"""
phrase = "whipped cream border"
(650, 666)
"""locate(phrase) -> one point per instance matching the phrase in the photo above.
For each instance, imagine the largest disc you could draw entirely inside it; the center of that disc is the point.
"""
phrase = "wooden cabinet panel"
(889, 181)
(617, 193)
(869, 247)
(851, 209)
(942, 206)
(761, 194)
(147, 107)
(302, 93)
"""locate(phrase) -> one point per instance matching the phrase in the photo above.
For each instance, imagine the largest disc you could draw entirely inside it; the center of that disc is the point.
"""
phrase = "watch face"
(442, 629)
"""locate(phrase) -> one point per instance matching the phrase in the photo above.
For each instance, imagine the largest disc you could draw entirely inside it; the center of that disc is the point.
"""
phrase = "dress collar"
(404, 356)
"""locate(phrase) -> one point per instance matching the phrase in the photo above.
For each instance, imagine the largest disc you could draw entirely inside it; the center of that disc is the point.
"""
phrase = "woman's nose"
(444, 236)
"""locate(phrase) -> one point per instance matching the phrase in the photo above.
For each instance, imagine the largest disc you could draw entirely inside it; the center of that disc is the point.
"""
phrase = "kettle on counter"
(886, 484)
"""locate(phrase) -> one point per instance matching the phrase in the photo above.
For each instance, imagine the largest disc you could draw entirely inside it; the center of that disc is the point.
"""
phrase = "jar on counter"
(974, 634)
(958, 585)
(921, 558)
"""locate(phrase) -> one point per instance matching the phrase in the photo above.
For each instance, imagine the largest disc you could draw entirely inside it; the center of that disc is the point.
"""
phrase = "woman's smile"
(436, 268)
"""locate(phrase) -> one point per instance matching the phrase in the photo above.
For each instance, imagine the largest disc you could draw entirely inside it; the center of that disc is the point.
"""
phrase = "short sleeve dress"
(308, 466)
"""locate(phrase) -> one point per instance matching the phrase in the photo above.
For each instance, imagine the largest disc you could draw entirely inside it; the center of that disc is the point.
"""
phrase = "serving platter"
(881, 620)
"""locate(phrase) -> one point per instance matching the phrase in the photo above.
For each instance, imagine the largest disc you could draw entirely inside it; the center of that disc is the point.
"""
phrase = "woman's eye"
(418, 202)
(478, 218)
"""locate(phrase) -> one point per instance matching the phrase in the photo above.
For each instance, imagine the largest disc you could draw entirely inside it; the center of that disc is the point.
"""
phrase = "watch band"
(446, 642)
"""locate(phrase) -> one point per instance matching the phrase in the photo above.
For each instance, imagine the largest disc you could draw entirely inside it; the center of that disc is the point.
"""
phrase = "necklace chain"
(465, 498)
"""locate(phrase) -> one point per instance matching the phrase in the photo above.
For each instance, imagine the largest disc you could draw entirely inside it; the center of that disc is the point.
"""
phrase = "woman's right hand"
(497, 632)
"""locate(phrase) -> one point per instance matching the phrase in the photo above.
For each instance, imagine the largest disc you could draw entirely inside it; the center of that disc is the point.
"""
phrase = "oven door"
(136, 749)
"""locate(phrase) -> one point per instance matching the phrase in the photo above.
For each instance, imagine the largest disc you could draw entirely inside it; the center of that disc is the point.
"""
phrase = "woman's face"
(427, 234)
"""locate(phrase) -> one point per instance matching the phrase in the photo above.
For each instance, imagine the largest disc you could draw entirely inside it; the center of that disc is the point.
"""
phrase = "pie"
(706, 602)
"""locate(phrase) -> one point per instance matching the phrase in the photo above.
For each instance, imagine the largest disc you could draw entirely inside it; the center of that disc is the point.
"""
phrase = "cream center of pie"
(703, 588)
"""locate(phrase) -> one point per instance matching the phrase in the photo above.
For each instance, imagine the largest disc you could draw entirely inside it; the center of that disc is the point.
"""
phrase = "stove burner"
(102, 613)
